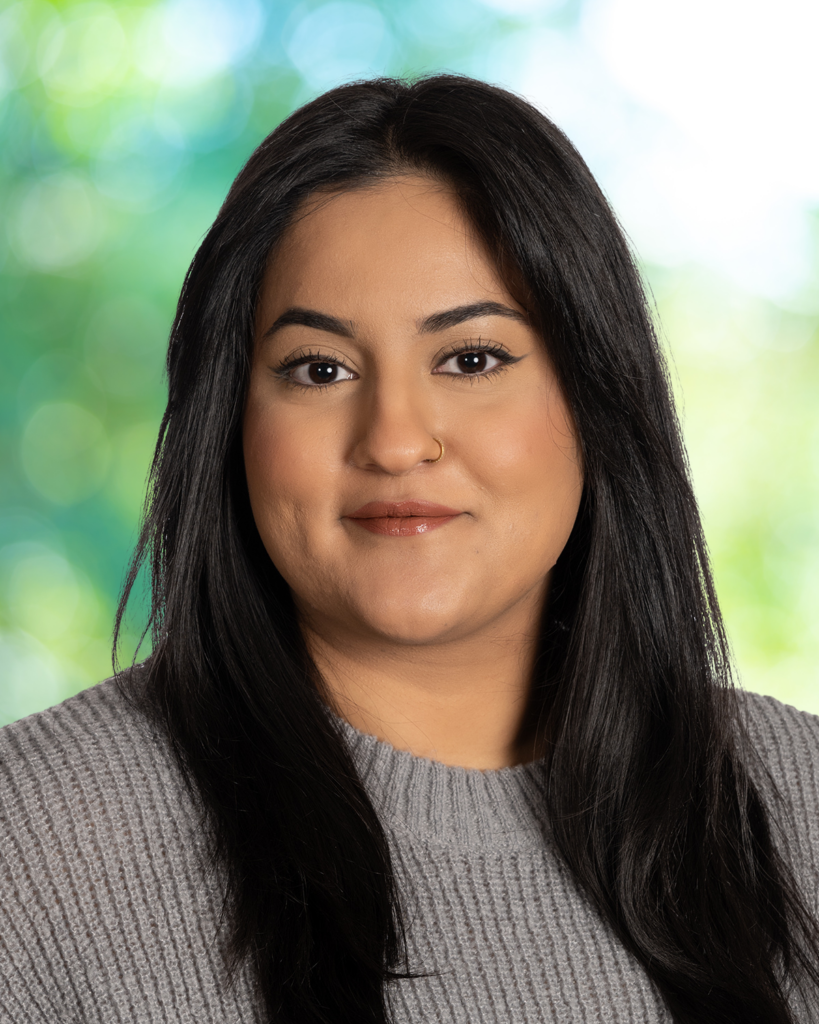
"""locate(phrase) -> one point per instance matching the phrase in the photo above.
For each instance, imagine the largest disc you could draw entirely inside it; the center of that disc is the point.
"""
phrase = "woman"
(436, 647)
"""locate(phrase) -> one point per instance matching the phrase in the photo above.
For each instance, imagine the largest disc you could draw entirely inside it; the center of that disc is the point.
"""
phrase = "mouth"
(402, 518)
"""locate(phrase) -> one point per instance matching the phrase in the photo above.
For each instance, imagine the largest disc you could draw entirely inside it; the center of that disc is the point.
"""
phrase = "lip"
(401, 509)
(402, 518)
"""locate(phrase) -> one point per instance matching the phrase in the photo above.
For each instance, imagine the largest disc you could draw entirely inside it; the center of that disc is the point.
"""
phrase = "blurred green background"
(123, 124)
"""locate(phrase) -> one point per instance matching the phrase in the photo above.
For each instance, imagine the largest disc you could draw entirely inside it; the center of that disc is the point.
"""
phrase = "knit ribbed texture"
(109, 912)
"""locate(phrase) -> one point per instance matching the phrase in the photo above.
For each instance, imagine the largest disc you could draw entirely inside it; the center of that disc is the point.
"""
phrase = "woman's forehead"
(405, 245)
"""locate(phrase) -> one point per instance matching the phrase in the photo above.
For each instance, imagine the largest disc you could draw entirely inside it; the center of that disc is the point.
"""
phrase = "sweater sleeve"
(109, 907)
(45, 816)
(27, 995)
(787, 742)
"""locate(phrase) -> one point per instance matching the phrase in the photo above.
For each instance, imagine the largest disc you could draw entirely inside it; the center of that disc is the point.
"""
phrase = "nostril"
(396, 449)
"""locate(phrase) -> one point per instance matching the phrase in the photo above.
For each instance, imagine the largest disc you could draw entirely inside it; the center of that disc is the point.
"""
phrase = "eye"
(319, 372)
(471, 362)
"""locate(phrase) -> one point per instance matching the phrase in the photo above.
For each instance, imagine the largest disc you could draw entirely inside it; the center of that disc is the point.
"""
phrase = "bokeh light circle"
(340, 41)
(65, 452)
(58, 222)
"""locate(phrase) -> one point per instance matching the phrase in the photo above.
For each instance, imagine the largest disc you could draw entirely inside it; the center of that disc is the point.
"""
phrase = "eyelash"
(284, 368)
(504, 357)
(490, 348)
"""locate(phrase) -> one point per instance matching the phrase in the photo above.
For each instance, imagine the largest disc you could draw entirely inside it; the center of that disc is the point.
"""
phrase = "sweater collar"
(442, 804)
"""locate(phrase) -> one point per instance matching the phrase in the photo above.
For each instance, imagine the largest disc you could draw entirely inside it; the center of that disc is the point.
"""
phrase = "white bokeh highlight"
(699, 120)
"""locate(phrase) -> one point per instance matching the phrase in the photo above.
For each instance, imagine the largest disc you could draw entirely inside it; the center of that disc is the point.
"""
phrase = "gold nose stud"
(441, 445)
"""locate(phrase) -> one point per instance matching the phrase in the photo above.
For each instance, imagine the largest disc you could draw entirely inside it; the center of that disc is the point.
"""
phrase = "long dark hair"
(649, 794)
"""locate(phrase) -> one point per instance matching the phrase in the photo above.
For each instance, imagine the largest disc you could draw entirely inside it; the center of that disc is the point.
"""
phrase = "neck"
(462, 702)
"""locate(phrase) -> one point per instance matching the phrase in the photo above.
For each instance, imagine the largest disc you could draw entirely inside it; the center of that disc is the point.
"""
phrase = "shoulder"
(87, 789)
(89, 755)
(787, 741)
(90, 785)
(105, 880)
(785, 748)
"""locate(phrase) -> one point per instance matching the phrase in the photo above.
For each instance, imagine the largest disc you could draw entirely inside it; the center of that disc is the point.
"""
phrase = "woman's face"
(383, 325)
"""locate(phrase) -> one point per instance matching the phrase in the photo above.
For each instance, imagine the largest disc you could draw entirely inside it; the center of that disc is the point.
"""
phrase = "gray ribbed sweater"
(109, 913)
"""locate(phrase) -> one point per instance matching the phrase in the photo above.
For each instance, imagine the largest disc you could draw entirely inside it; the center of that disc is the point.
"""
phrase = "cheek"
(283, 472)
(536, 470)
(271, 472)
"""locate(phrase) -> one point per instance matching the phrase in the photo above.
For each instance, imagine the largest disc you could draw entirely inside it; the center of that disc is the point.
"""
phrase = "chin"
(427, 618)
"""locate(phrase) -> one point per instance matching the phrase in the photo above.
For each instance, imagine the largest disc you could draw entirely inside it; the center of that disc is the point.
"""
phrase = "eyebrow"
(432, 324)
(311, 318)
(436, 322)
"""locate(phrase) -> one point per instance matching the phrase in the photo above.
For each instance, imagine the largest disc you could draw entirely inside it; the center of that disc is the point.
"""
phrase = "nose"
(394, 434)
